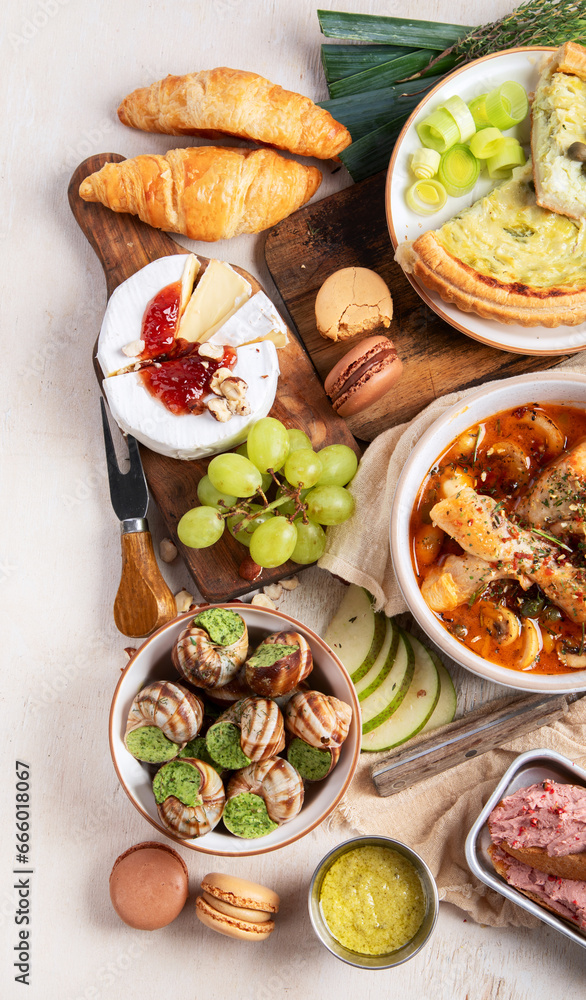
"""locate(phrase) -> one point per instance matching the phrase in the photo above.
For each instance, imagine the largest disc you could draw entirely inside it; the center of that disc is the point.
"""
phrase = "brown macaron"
(363, 375)
(237, 908)
(148, 885)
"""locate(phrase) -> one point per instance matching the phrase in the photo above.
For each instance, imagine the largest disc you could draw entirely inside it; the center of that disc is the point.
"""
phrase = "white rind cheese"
(123, 317)
(190, 436)
(256, 320)
(218, 294)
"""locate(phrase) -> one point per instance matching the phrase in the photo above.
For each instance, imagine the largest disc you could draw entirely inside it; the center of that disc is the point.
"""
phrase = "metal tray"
(527, 769)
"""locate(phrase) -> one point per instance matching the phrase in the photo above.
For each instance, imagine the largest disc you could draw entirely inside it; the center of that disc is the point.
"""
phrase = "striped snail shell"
(319, 719)
(168, 707)
(262, 730)
(204, 660)
(189, 804)
(231, 692)
(275, 781)
(272, 675)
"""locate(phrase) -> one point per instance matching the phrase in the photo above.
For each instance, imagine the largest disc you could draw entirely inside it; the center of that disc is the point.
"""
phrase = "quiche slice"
(558, 120)
(506, 259)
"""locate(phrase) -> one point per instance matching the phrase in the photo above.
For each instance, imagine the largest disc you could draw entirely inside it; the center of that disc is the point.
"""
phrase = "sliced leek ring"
(424, 163)
(507, 105)
(486, 142)
(458, 170)
(426, 197)
(478, 111)
(508, 155)
(460, 112)
(439, 131)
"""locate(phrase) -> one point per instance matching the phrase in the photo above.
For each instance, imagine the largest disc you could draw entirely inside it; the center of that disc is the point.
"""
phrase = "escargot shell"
(209, 664)
(262, 729)
(231, 692)
(319, 719)
(206, 805)
(275, 781)
(286, 672)
(169, 707)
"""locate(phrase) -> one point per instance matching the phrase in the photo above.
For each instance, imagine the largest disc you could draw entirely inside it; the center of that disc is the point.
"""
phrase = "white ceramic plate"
(566, 388)
(153, 662)
(472, 80)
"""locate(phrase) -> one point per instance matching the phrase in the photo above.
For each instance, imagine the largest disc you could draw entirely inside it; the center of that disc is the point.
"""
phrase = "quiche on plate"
(506, 258)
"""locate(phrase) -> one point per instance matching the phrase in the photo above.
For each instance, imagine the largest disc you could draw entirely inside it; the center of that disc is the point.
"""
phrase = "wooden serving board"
(123, 245)
(349, 229)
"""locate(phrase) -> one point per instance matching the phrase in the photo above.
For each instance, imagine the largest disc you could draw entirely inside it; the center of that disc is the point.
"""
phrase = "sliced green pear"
(387, 697)
(445, 709)
(415, 708)
(356, 633)
(374, 677)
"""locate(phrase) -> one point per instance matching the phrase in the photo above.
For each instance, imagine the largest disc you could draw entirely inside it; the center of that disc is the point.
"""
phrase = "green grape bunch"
(309, 494)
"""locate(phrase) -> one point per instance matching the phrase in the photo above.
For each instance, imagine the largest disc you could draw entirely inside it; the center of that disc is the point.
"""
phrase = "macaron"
(363, 375)
(148, 885)
(351, 301)
(236, 907)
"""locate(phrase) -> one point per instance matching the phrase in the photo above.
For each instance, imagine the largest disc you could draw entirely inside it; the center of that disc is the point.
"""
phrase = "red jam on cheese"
(182, 383)
(159, 323)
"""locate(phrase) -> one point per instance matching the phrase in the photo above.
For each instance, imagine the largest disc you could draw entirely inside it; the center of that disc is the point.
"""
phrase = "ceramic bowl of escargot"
(488, 532)
(234, 730)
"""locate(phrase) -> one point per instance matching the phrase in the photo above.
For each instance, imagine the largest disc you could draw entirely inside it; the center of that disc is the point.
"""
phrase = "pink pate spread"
(564, 895)
(549, 815)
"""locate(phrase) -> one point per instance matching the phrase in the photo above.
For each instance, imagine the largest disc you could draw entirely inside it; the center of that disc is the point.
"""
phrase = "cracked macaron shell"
(363, 375)
(351, 301)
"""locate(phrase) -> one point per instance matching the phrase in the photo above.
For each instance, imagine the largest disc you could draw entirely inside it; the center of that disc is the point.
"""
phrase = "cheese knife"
(144, 602)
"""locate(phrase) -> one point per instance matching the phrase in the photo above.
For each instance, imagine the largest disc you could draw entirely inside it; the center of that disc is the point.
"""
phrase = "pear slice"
(387, 697)
(414, 709)
(381, 666)
(356, 633)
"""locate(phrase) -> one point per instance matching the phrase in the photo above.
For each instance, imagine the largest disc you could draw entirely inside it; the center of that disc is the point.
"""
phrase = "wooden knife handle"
(466, 739)
(143, 602)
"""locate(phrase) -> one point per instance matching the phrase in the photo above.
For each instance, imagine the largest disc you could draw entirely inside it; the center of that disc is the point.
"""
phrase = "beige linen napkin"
(434, 816)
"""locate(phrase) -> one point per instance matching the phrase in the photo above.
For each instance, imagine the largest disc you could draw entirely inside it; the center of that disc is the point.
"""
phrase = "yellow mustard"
(372, 900)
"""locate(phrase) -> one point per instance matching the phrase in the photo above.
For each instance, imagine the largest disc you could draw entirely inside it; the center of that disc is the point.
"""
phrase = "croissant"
(205, 192)
(237, 103)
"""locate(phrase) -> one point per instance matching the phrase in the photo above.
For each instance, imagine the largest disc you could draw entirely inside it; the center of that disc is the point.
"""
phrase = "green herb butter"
(197, 748)
(180, 779)
(372, 900)
(223, 743)
(151, 745)
(223, 627)
(268, 654)
(312, 764)
(246, 816)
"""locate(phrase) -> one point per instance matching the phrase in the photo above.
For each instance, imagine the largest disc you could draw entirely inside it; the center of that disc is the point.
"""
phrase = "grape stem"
(289, 493)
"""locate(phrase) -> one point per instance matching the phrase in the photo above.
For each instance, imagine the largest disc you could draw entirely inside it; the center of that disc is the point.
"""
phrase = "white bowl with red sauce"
(556, 388)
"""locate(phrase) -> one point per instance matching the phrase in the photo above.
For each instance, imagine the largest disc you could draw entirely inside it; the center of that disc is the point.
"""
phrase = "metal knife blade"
(128, 490)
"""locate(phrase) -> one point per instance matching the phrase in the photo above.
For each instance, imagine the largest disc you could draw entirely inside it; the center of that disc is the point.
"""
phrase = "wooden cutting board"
(349, 229)
(123, 245)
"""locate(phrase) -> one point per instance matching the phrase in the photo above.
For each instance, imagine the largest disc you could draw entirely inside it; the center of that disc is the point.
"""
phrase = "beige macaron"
(236, 907)
(352, 301)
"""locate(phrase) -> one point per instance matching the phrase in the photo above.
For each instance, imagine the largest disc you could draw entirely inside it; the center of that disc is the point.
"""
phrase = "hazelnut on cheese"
(351, 301)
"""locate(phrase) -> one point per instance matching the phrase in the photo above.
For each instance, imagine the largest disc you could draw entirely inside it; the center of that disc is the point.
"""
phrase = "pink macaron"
(363, 375)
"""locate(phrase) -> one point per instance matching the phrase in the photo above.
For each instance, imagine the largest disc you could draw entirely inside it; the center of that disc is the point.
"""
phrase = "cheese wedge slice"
(253, 322)
(190, 273)
(218, 294)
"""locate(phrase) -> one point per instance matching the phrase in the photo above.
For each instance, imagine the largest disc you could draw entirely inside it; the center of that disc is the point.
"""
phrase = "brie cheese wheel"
(256, 320)
(190, 436)
(218, 294)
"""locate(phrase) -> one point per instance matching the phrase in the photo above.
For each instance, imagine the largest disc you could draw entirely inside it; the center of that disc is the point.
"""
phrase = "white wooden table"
(66, 65)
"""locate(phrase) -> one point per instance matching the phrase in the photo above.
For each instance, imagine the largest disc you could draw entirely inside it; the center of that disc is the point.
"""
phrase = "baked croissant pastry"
(205, 192)
(234, 102)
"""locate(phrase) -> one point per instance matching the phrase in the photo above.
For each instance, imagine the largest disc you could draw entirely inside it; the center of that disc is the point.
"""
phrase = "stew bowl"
(565, 389)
